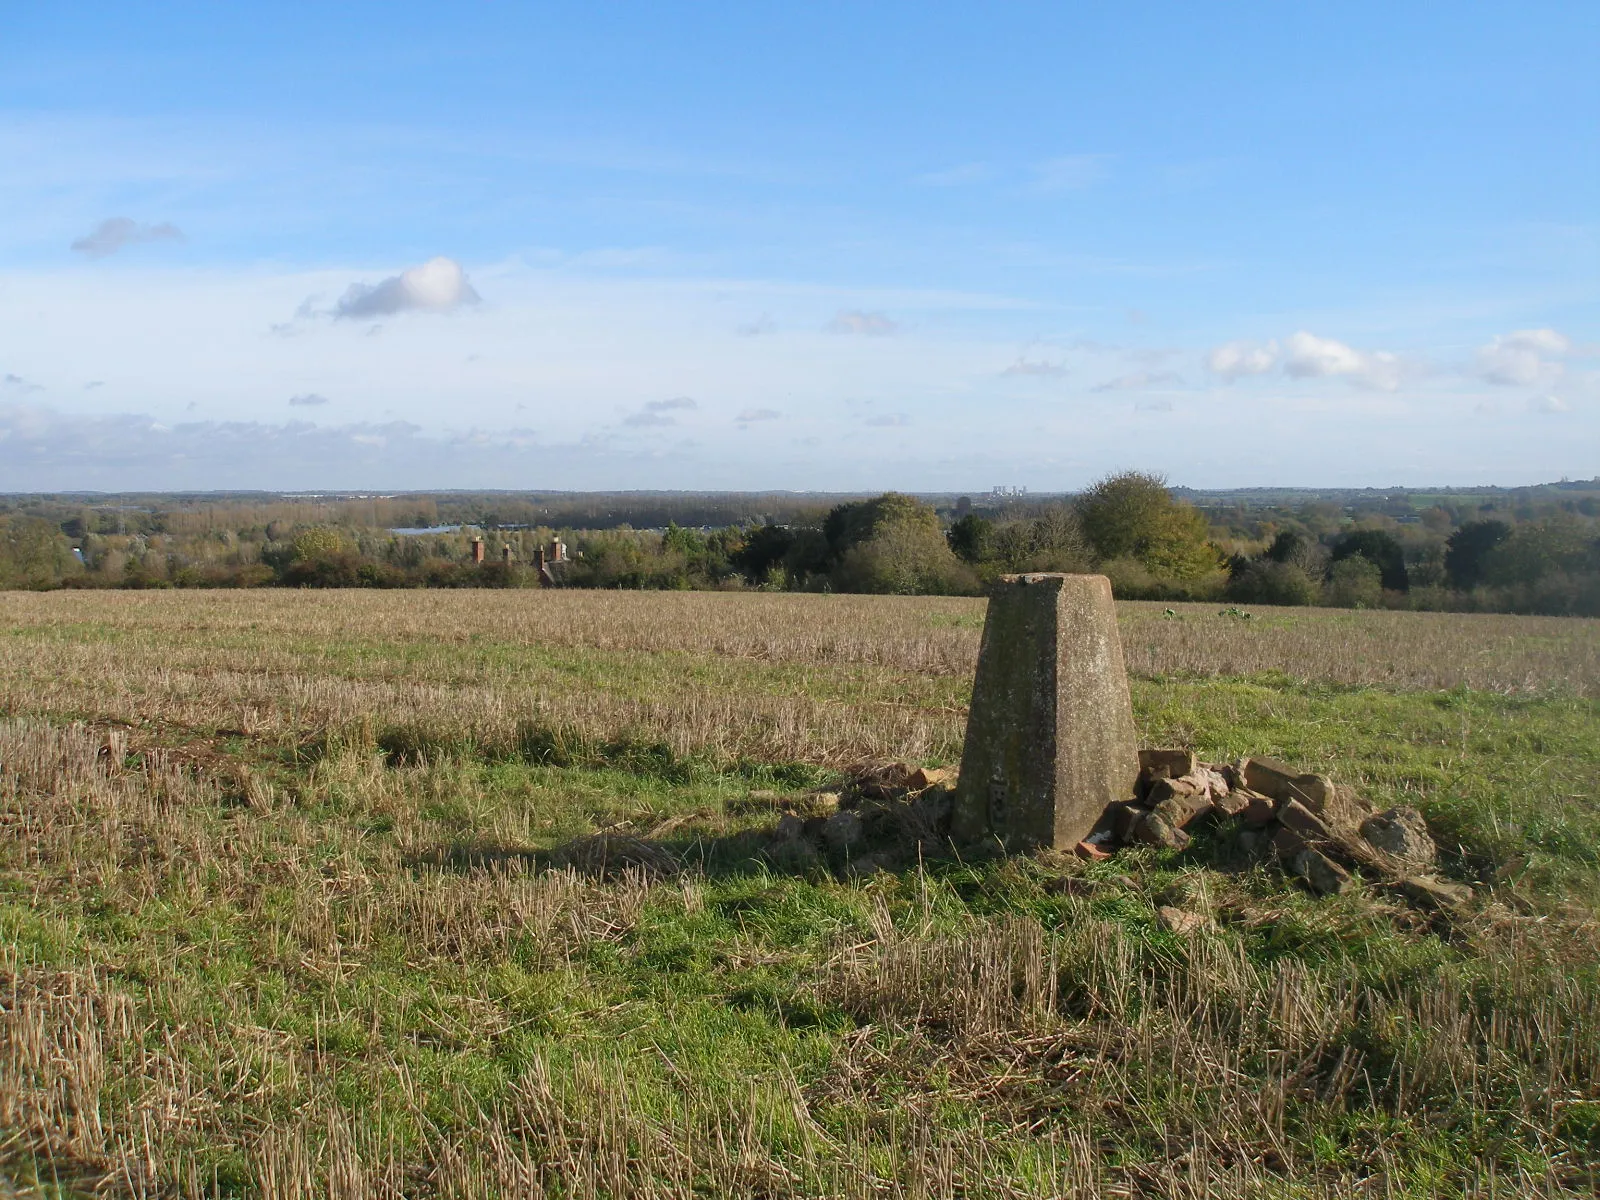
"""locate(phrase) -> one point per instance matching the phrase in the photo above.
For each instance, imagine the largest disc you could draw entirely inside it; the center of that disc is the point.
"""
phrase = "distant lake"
(414, 532)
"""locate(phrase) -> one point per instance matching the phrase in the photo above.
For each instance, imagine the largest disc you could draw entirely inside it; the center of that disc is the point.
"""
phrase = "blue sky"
(802, 246)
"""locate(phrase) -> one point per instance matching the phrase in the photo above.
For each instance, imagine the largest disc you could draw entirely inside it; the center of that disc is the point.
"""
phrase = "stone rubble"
(886, 817)
(1315, 829)
(1402, 833)
(1181, 921)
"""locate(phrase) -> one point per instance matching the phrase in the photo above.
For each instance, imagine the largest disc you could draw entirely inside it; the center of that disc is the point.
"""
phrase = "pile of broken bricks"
(880, 818)
(1314, 828)
(887, 817)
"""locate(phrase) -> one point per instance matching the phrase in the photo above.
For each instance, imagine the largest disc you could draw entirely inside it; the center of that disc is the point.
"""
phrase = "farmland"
(288, 906)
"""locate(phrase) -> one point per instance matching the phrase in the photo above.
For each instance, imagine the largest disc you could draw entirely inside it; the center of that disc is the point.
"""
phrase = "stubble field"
(284, 909)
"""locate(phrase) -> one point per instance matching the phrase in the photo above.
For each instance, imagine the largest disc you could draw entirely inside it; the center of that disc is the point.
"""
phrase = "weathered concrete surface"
(1050, 738)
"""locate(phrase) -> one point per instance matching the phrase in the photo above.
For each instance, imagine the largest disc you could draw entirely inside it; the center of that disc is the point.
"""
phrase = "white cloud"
(889, 421)
(1306, 356)
(761, 325)
(1235, 359)
(1070, 173)
(1523, 358)
(307, 400)
(1137, 380)
(865, 324)
(114, 233)
(1549, 405)
(438, 285)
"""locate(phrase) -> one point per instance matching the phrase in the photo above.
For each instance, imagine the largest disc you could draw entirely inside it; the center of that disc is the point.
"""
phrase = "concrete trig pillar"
(1050, 737)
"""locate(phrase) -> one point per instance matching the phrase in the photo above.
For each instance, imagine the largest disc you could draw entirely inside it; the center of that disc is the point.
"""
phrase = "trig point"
(1050, 738)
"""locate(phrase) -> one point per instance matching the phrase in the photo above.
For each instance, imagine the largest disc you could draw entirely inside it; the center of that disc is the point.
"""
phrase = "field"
(297, 897)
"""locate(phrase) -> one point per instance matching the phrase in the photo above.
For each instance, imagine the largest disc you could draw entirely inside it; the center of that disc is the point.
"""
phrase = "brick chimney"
(477, 551)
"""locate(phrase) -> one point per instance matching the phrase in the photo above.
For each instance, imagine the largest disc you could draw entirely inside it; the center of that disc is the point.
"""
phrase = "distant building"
(552, 563)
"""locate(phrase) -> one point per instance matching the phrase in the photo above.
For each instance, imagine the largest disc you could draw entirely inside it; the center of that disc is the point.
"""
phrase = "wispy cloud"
(307, 400)
(42, 449)
(659, 412)
(889, 420)
(1036, 367)
(863, 324)
(671, 405)
(438, 285)
(1528, 356)
(114, 233)
(750, 416)
(958, 176)
(19, 386)
(761, 325)
(1069, 173)
(1138, 380)
(1549, 405)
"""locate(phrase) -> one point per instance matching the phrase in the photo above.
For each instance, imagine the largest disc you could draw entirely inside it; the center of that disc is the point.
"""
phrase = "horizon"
(730, 249)
(973, 494)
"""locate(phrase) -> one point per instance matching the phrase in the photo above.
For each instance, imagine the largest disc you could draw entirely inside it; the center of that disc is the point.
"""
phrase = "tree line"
(1462, 553)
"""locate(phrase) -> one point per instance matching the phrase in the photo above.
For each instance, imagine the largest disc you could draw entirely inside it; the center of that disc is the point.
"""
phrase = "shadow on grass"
(536, 744)
(867, 836)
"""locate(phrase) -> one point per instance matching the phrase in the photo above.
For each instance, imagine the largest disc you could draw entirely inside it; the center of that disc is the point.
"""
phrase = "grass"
(284, 910)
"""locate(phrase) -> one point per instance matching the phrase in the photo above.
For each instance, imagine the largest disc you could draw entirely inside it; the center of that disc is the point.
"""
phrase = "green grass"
(346, 950)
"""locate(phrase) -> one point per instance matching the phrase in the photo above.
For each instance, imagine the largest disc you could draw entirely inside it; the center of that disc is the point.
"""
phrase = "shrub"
(893, 544)
(764, 548)
(1354, 582)
(33, 554)
(339, 569)
(1379, 548)
(317, 542)
(1132, 580)
(1133, 515)
(1467, 552)
(1272, 582)
(1556, 545)
(1287, 546)
(904, 559)
(970, 538)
